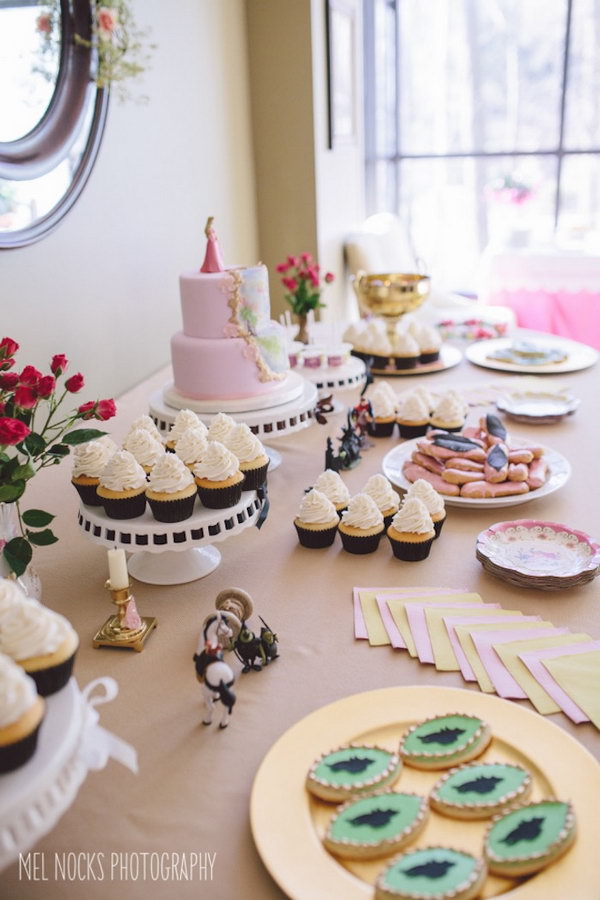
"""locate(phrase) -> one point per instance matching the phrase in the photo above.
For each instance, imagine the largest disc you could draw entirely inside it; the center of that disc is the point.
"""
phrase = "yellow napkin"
(464, 636)
(509, 654)
(579, 676)
(401, 619)
(443, 654)
(378, 636)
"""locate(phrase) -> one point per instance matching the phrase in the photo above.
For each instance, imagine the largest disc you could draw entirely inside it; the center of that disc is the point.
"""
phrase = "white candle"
(117, 569)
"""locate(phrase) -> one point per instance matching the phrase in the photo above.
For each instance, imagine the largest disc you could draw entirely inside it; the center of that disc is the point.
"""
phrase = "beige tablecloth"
(194, 784)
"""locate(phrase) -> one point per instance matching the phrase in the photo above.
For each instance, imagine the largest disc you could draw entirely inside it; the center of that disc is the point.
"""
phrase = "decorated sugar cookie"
(529, 838)
(350, 771)
(377, 824)
(480, 790)
(445, 741)
(432, 873)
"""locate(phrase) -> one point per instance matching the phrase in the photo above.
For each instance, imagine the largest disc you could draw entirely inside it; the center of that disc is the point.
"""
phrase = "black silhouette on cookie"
(353, 764)
(435, 868)
(377, 818)
(485, 784)
(443, 736)
(527, 830)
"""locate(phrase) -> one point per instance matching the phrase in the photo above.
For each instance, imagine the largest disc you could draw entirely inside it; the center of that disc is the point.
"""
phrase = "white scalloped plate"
(579, 356)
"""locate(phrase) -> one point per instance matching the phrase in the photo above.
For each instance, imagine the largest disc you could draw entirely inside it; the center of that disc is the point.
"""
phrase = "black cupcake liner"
(255, 478)
(221, 498)
(381, 429)
(172, 510)
(49, 681)
(429, 357)
(88, 494)
(437, 526)
(445, 428)
(409, 551)
(124, 507)
(412, 431)
(387, 520)
(13, 756)
(360, 545)
(406, 362)
(340, 511)
(316, 540)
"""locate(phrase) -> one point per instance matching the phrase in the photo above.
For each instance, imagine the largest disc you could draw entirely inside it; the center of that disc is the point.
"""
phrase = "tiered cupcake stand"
(70, 744)
(171, 553)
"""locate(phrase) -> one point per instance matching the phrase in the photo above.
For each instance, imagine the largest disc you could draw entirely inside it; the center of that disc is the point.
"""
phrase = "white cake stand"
(171, 553)
(267, 424)
(70, 744)
(333, 379)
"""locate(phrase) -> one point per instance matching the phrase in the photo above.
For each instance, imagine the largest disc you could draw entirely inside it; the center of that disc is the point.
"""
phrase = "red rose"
(282, 267)
(59, 364)
(25, 397)
(8, 380)
(293, 261)
(329, 277)
(8, 347)
(46, 385)
(106, 409)
(87, 410)
(74, 383)
(6, 363)
(306, 257)
(291, 284)
(12, 431)
(30, 376)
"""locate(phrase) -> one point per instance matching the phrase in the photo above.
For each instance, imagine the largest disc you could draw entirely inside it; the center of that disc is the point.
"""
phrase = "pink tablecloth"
(572, 315)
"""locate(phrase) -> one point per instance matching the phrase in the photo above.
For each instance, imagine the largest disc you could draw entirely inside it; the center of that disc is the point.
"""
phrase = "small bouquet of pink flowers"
(302, 280)
(34, 435)
(507, 189)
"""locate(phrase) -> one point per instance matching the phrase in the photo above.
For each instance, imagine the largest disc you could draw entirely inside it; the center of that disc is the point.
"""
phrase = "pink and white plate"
(534, 553)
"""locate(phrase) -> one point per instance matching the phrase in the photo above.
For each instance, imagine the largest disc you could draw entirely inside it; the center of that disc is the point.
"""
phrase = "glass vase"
(29, 581)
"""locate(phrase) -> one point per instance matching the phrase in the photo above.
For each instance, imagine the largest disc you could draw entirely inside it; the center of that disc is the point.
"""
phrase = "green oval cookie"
(444, 738)
(376, 820)
(481, 785)
(433, 872)
(357, 768)
(529, 831)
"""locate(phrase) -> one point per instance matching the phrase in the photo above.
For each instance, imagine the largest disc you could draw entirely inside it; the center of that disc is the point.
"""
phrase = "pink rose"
(106, 409)
(107, 19)
(59, 364)
(74, 384)
(291, 284)
(30, 376)
(329, 277)
(25, 397)
(8, 381)
(86, 410)
(282, 267)
(8, 347)
(292, 261)
(7, 363)
(12, 431)
(306, 257)
(46, 385)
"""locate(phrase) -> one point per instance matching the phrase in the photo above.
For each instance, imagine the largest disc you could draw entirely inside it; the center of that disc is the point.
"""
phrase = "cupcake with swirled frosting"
(384, 495)
(184, 420)
(21, 714)
(250, 454)
(411, 533)
(384, 414)
(430, 344)
(191, 447)
(330, 483)
(377, 344)
(145, 448)
(218, 477)
(122, 487)
(88, 462)
(148, 425)
(220, 428)
(434, 502)
(171, 491)
(11, 594)
(413, 416)
(361, 527)
(317, 521)
(449, 413)
(406, 351)
(42, 642)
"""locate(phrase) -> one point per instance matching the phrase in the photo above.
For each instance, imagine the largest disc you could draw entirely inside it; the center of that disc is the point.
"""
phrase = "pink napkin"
(415, 614)
(465, 666)
(396, 639)
(504, 684)
(533, 659)
(360, 626)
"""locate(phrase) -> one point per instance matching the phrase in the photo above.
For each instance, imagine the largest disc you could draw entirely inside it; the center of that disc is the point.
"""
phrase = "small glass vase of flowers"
(301, 277)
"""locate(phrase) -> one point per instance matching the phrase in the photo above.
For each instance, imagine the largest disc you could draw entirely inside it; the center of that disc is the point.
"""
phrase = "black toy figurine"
(269, 642)
(248, 647)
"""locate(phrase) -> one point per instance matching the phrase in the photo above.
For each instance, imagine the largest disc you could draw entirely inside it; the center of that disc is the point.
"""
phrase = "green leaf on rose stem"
(17, 554)
(37, 518)
(4, 457)
(34, 444)
(11, 492)
(42, 538)
(58, 450)
(82, 436)
(24, 472)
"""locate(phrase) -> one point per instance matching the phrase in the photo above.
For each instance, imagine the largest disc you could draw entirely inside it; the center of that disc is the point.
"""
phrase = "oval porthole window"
(52, 115)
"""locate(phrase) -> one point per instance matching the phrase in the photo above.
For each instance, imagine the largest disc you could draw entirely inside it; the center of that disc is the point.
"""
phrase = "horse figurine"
(213, 673)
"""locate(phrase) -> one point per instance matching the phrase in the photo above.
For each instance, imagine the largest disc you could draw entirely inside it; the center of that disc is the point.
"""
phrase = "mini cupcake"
(384, 414)
(361, 527)
(411, 533)
(317, 521)
(250, 454)
(122, 487)
(413, 417)
(191, 447)
(426, 396)
(21, 714)
(433, 502)
(430, 344)
(145, 448)
(220, 427)
(218, 477)
(385, 497)
(147, 424)
(88, 462)
(377, 345)
(171, 490)
(406, 351)
(42, 642)
(331, 484)
(184, 420)
(385, 388)
(449, 413)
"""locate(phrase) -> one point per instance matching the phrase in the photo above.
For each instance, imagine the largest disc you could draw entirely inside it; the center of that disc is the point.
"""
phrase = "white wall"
(103, 287)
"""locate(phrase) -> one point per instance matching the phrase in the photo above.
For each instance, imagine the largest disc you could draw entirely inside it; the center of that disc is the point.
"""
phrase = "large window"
(482, 121)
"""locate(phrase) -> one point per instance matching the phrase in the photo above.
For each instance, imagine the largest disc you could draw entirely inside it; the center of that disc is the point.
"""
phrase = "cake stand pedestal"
(171, 553)
(334, 379)
(70, 744)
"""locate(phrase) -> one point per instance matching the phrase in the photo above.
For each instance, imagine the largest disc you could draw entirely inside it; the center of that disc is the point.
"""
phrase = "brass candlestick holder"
(114, 632)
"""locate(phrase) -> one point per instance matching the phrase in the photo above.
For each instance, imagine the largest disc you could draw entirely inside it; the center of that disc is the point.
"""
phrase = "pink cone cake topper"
(213, 261)
(132, 619)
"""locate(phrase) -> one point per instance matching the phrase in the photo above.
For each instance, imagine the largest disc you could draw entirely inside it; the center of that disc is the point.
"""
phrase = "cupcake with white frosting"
(184, 420)
(148, 425)
(430, 344)
(88, 462)
(171, 491)
(122, 487)
(384, 495)
(384, 414)
(42, 642)
(406, 351)
(218, 477)
(426, 396)
(317, 521)
(354, 331)
(11, 594)
(413, 417)
(191, 447)
(411, 533)
(21, 714)
(377, 344)
(250, 454)
(330, 483)
(361, 527)
(449, 413)
(434, 502)
(146, 449)
(220, 428)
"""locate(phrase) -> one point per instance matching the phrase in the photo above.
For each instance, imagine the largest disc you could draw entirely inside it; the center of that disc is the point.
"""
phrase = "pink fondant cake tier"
(205, 296)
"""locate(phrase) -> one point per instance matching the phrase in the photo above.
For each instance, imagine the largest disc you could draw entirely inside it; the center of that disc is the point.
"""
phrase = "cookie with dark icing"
(432, 873)
(352, 771)
(376, 825)
(529, 838)
(480, 790)
(445, 741)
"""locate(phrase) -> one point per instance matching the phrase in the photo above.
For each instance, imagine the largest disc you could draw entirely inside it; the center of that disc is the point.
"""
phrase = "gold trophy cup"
(391, 295)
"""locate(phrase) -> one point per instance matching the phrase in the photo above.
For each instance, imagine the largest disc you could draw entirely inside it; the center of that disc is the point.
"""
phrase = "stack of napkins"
(516, 656)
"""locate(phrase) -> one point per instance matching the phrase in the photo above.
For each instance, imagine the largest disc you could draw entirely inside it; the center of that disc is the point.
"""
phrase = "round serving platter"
(449, 357)
(288, 824)
(537, 407)
(579, 356)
